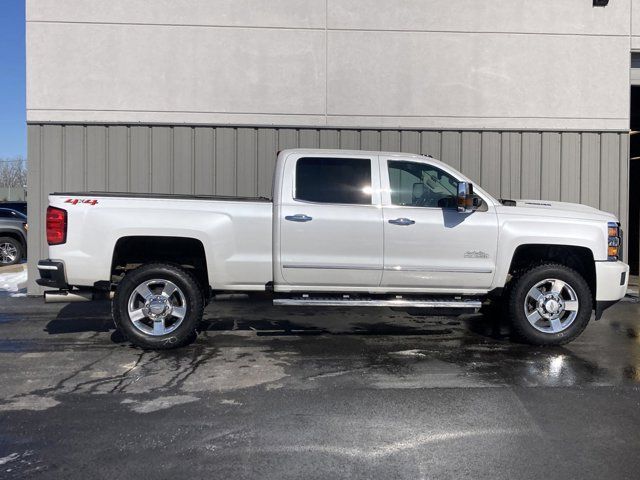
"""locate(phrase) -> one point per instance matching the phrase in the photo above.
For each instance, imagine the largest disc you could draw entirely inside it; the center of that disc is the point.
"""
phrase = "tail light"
(56, 226)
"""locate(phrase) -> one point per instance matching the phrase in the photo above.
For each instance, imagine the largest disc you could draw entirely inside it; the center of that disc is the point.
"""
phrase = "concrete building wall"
(501, 64)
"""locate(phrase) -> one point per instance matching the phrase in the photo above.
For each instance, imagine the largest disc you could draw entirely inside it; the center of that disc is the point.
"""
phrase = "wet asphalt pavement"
(280, 393)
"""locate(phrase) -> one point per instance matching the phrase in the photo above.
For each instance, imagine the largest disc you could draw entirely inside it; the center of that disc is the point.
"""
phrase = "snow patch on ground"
(13, 282)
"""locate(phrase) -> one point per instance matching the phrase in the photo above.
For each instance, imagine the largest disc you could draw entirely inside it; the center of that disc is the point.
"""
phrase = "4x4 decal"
(75, 201)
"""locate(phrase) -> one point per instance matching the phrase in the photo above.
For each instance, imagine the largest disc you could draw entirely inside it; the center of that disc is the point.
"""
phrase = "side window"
(421, 185)
(334, 180)
(5, 214)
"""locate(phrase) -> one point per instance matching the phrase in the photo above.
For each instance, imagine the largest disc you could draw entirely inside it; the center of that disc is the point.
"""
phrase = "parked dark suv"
(13, 236)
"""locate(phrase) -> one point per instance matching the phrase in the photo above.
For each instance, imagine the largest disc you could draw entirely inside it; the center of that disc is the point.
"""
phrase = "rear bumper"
(52, 274)
(611, 280)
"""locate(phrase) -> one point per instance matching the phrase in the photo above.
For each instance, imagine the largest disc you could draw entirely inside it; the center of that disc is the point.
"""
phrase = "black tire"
(7, 246)
(517, 294)
(189, 292)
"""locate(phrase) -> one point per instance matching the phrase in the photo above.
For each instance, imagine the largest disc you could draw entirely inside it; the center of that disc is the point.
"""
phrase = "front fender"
(516, 232)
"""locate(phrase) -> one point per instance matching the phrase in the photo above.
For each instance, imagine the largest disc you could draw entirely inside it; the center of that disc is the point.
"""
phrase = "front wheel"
(158, 306)
(549, 305)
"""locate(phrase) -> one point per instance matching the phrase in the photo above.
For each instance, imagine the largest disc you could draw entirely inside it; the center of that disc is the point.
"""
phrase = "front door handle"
(402, 221)
(298, 218)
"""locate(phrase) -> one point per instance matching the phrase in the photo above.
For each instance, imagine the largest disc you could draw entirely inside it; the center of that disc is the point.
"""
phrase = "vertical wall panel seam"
(63, 162)
(152, 155)
(235, 164)
(521, 134)
(214, 155)
(600, 182)
(460, 146)
(236, 139)
(256, 180)
(540, 159)
(106, 158)
(580, 167)
(561, 163)
(620, 156)
(193, 160)
(619, 176)
(84, 158)
(172, 159)
(128, 154)
(503, 167)
(150, 131)
(480, 176)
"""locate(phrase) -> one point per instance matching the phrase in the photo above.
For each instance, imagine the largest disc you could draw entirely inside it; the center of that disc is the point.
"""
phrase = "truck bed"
(235, 233)
(227, 198)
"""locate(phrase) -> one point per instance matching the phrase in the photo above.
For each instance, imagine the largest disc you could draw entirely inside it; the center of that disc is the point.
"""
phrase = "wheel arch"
(132, 251)
(579, 258)
(16, 234)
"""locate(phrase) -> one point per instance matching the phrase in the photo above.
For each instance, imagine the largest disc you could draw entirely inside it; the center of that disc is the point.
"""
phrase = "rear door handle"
(402, 221)
(298, 218)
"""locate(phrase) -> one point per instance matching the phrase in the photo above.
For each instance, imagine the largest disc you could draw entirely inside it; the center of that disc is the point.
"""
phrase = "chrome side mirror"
(467, 201)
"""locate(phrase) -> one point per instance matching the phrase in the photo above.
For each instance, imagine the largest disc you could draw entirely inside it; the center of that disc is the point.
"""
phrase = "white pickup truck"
(345, 228)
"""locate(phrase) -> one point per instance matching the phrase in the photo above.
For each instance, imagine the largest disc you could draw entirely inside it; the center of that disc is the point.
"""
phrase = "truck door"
(330, 221)
(427, 242)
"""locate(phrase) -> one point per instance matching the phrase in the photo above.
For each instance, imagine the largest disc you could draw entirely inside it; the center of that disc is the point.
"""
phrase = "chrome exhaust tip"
(66, 296)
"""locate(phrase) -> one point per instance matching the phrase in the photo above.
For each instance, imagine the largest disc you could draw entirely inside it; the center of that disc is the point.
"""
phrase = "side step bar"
(470, 304)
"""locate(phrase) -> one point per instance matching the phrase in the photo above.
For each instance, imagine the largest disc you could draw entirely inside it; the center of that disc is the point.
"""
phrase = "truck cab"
(380, 224)
(349, 228)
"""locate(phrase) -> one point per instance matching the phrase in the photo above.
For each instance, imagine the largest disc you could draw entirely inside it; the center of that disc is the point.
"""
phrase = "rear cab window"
(344, 181)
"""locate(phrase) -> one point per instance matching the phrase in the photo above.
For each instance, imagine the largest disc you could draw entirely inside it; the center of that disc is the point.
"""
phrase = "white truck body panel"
(236, 235)
(340, 247)
(337, 247)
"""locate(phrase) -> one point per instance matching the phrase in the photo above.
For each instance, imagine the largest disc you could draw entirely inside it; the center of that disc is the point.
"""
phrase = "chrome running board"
(347, 301)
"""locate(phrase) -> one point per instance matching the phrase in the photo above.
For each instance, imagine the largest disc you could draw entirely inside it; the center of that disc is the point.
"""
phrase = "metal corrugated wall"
(587, 167)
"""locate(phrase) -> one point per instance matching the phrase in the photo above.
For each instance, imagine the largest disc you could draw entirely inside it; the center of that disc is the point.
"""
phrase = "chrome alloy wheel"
(157, 307)
(551, 306)
(8, 253)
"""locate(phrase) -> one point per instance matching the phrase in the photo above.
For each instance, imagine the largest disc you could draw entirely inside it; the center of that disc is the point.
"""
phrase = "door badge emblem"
(476, 254)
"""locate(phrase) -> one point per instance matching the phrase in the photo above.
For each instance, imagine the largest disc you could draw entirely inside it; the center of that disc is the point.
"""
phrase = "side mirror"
(467, 201)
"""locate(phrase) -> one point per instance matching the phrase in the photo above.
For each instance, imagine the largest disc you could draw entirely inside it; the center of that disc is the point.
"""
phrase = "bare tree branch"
(13, 172)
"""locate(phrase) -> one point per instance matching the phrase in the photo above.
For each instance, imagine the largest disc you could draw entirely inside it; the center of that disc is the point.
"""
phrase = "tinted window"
(334, 180)
(5, 214)
(421, 185)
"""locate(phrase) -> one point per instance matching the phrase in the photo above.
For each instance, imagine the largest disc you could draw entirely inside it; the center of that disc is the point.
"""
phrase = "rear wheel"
(549, 305)
(10, 251)
(158, 306)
